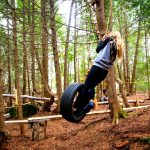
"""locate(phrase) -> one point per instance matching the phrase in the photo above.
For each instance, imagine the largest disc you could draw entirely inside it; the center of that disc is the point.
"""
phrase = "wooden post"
(96, 104)
(39, 130)
(149, 125)
(16, 96)
(136, 103)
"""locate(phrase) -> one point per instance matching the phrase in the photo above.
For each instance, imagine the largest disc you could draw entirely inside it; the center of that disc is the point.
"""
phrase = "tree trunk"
(75, 44)
(66, 48)
(16, 65)
(147, 62)
(116, 110)
(55, 52)
(29, 28)
(39, 130)
(135, 59)
(126, 63)
(78, 65)
(123, 92)
(119, 66)
(33, 46)
(46, 87)
(88, 42)
(8, 58)
(2, 131)
(44, 42)
(24, 52)
(110, 21)
(100, 16)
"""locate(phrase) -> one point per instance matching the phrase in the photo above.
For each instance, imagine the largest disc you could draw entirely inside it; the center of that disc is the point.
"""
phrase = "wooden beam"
(28, 97)
(45, 118)
(36, 119)
(130, 101)
(16, 121)
(139, 107)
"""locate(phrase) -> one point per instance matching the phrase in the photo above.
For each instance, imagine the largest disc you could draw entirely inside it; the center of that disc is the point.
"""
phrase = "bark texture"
(55, 52)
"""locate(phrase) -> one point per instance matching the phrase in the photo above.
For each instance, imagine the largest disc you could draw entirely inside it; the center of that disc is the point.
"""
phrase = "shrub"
(28, 110)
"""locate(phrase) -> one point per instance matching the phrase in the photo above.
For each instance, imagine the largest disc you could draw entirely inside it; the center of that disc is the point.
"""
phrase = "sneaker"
(89, 106)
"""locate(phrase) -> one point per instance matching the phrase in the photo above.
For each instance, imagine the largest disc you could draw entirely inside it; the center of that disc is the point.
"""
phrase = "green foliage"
(85, 34)
(28, 110)
(145, 140)
(12, 111)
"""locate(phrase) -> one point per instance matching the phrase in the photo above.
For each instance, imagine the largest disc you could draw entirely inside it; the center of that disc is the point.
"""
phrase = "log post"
(96, 104)
(39, 130)
(16, 97)
(136, 103)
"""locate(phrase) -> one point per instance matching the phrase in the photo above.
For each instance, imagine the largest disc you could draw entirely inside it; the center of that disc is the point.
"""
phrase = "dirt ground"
(95, 132)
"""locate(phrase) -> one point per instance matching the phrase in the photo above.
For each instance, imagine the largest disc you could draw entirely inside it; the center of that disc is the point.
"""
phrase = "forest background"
(41, 53)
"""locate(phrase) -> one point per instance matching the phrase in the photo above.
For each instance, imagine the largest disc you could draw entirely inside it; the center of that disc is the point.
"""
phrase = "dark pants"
(94, 77)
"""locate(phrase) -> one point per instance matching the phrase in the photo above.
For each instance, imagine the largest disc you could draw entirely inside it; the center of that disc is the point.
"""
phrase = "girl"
(108, 49)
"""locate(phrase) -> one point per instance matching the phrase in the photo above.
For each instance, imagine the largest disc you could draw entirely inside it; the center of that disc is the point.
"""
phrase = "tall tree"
(135, 58)
(66, 48)
(24, 50)
(16, 65)
(44, 42)
(2, 131)
(55, 51)
(112, 96)
(75, 44)
(126, 60)
(32, 33)
(8, 58)
(119, 66)
(100, 16)
(147, 62)
(28, 28)
(116, 110)
(45, 83)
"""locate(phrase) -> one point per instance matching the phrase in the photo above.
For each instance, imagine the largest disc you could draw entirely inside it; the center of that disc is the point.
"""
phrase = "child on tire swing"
(108, 49)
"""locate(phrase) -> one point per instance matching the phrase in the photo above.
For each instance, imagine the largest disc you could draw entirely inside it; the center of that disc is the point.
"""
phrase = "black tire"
(67, 100)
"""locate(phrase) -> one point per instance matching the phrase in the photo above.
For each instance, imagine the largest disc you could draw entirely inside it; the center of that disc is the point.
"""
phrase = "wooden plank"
(45, 118)
(133, 101)
(16, 121)
(126, 109)
(139, 107)
(98, 112)
(130, 101)
(8, 95)
(29, 97)
(36, 119)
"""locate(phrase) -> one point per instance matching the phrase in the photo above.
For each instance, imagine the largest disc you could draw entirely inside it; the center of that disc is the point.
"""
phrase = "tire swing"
(68, 99)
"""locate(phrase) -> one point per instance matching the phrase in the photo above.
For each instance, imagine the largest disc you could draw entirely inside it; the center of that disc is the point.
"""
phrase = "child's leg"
(95, 76)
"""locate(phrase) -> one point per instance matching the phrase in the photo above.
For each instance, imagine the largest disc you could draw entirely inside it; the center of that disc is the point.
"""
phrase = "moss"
(117, 115)
(123, 113)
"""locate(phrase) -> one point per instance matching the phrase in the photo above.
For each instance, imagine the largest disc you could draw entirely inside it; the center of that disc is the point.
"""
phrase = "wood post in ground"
(148, 125)
(136, 103)
(3, 139)
(96, 104)
(16, 97)
(39, 130)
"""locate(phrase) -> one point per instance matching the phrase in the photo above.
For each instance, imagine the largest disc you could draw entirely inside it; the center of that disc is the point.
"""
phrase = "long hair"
(120, 46)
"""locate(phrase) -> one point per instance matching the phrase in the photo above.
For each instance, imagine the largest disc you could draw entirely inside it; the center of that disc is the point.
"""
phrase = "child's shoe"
(89, 106)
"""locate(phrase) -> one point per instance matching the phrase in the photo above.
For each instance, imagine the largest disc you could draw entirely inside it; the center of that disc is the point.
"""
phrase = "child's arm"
(102, 44)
